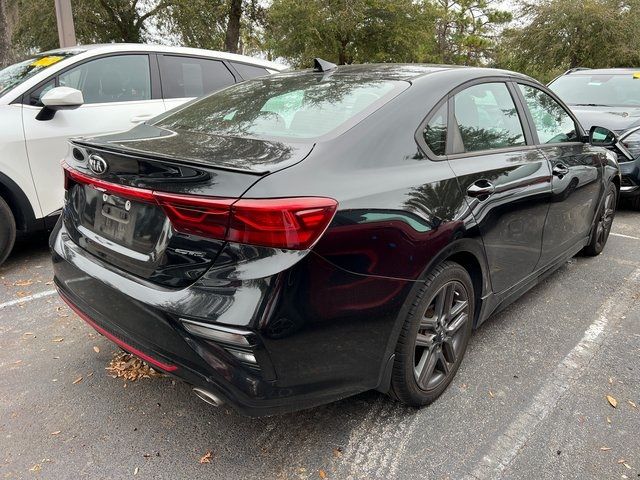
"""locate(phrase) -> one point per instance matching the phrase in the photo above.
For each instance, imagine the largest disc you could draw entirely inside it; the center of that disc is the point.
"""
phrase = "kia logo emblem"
(97, 164)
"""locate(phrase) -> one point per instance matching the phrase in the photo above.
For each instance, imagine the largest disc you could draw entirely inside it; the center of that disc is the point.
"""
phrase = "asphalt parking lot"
(530, 400)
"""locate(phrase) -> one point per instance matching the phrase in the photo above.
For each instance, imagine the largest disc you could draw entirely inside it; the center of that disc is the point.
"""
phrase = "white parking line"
(624, 236)
(511, 441)
(35, 296)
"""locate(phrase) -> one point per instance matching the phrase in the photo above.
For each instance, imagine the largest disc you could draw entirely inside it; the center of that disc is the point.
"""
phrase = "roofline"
(96, 49)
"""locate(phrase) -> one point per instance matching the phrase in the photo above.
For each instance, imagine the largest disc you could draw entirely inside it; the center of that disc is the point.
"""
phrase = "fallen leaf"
(131, 368)
(337, 452)
(135, 471)
(56, 432)
(206, 458)
(491, 394)
(610, 380)
(58, 340)
(28, 333)
(612, 401)
(626, 465)
(622, 460)
(608, 420)
(23, 283)
(632, 404)
(322, 474)
(77, 380)
(36, 468)
(605, 449)
(96, 349)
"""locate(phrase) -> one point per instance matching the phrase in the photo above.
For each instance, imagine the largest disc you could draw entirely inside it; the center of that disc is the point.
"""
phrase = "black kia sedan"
(609, 97)
(303, 237)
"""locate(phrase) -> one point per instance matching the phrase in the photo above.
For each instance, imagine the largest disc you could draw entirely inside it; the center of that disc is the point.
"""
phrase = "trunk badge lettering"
(97, 164)
(191, 253)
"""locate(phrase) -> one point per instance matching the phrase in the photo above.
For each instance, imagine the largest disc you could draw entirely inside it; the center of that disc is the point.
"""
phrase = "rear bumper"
(302, 363)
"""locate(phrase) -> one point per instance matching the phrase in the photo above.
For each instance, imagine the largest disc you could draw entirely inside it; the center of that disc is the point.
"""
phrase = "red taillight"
(294, 223)
(207, 216)
(125, 191)
(291, 223)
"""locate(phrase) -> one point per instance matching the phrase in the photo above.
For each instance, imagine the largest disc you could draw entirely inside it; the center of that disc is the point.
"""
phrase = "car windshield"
(17, 73)
(290, 106)
(599, 89)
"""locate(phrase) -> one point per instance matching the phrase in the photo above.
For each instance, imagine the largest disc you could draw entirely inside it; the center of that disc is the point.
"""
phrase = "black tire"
(602, 223)
(7, 230)
(439, 348)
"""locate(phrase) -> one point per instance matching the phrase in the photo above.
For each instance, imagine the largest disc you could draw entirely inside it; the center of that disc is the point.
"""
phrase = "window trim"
(155, 94)
(419, 137)
(522, 115)
(160, 59)
(579, 130)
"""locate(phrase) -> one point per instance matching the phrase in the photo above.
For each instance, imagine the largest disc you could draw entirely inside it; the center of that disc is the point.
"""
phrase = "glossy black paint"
(326, 320)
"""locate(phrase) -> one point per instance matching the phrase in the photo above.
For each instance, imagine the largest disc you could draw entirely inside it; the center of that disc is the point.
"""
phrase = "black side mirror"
(602, 137)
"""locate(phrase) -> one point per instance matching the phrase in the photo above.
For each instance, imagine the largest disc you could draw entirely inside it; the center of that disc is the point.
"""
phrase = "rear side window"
(435, 132)
(249, 71)
(120, 78)
(487, 118)
(552, 122)
(296, 106)
(186, 77)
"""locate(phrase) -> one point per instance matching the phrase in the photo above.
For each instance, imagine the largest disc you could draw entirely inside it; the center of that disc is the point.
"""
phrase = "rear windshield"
(17, 73)
(294, 107)
(599, 90)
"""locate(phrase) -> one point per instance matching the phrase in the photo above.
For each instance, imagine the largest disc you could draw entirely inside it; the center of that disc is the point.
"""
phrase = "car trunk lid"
(157, 217)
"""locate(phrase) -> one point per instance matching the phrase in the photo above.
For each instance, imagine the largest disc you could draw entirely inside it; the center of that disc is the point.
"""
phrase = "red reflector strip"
(289, 223)
(132, 193)
(125, 346)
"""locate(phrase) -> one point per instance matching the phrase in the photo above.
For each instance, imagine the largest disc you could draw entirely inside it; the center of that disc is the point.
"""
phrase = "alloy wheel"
(441, 335)
(606, 219)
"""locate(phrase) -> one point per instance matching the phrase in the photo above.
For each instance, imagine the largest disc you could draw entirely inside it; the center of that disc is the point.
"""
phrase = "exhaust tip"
(208, 397)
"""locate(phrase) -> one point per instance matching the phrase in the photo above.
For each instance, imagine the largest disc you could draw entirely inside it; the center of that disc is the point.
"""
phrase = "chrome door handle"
(560, 170)
(481, 189)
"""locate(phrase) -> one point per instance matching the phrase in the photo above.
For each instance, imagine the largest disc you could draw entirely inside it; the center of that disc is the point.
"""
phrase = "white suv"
(84, 91)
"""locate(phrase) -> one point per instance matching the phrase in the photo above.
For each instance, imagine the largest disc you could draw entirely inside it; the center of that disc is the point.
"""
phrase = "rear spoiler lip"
(131, 153)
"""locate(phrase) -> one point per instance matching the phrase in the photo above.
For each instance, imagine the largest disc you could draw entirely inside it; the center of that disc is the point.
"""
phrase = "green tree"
(466, 30)
(95, 21)
(348, 31)
(231, 25)
(562, 34)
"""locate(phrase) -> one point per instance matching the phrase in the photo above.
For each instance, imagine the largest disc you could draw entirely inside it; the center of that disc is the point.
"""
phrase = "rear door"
(577, 171)
(184, 78)
(505, 179)
(118, 95)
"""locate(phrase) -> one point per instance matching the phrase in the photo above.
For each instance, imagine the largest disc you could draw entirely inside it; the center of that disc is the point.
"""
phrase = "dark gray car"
(610, 98)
